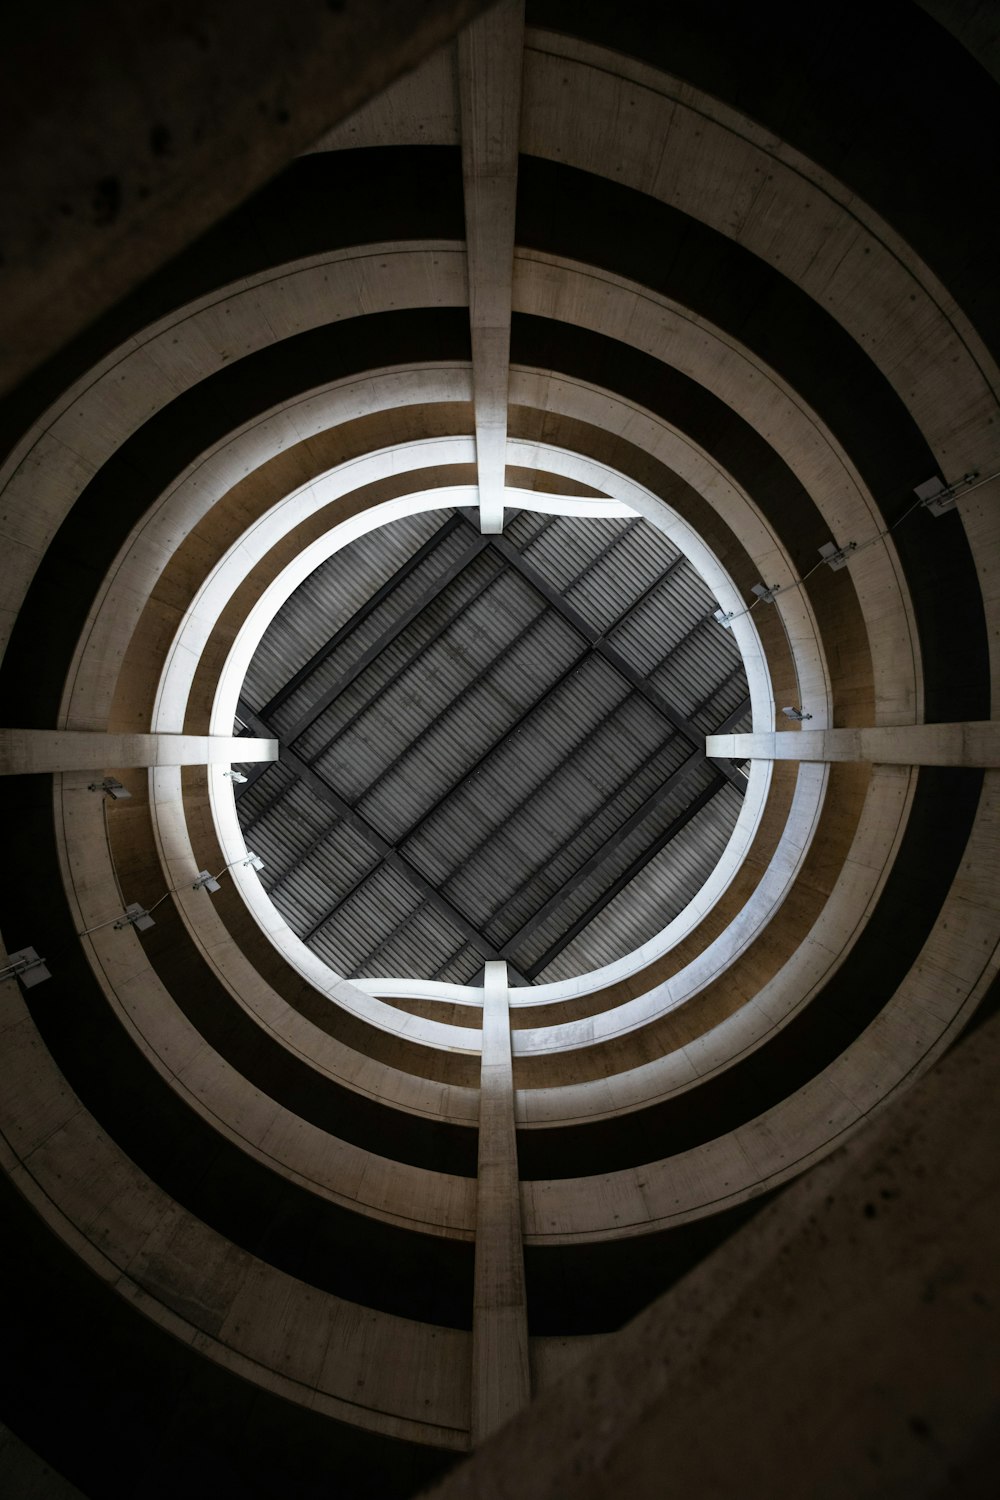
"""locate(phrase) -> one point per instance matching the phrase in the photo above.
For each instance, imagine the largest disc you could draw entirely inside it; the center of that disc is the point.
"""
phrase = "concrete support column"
(489, 81)
(974, 744)
(501, 1382)
(27, 751)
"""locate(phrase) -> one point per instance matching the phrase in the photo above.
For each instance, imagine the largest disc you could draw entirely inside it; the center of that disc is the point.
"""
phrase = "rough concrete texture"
(119, 155)
(845, 1344)
(26, 1477)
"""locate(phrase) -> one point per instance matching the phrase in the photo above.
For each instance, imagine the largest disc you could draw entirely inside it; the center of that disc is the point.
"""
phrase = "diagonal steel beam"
(604, 551)
(471, 936)
(360, 615)
(304, 854)
(385, 640)
(459, 697)
(596, 907)
(650, 588)
(252, 777)
(451, 958)
(504, 739)
(498, 911)
(604, 647)
(693, 763)
(735, 717)
(388, 853)
(445, 624)
(577, 749)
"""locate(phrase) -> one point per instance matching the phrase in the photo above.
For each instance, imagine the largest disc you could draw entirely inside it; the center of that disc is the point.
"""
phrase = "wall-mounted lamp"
(206, 882)
(135, 916)
(26, 966)
(725, 619)
(837, 557)
(111, 786)
(795, 713)
(764, 594)
(937, 497)
(235, 775)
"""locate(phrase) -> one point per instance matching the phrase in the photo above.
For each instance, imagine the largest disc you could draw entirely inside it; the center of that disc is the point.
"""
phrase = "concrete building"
(662, 1127)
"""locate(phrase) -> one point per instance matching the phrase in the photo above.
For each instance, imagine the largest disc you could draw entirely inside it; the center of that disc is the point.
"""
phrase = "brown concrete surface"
(25, 1475)
(844, 1345)
(123, 154)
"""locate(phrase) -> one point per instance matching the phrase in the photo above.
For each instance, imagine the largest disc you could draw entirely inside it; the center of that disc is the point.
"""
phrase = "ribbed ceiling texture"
(491, 747)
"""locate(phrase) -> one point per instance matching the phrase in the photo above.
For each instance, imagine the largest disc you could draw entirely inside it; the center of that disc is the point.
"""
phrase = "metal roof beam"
(604, 648)
(459, 697)
(694, 762)
(402, 670)
(550, 776)
(504, 739)
(253, 775)
(361, 614)
(602, 553)
(395, 677)
(690, 765)
(657, 582)
(594, 910)
(736, 715)
(451, 959)
(309, 849)
(498, 911)
(565, 843)
(385, 640)
(387, 852)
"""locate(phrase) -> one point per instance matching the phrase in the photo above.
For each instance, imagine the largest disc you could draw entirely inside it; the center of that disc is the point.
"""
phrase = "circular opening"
(492, 747)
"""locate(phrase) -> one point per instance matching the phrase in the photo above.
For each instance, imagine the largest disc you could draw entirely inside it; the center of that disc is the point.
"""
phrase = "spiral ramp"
(274, 1229)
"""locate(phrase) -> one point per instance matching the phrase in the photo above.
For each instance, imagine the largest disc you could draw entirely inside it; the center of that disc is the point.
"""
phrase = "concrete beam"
(489, 82)
(119, 155)
(501, 1380)
(976, 744)
(24, 752)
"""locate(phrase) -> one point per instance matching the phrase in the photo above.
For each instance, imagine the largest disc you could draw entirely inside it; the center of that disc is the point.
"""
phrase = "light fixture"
(836, 557)
(252, 859)
(110, 785)
(725, 619)
(937, 497)
(764, 594)
(235, 775)
(795, 713)
(206, 882)
(135, 916)
(26, 966)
